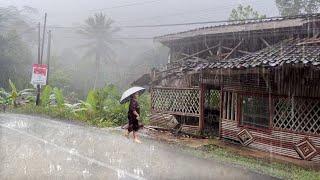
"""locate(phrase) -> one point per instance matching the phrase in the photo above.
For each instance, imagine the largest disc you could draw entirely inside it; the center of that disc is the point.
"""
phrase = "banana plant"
(28, 95)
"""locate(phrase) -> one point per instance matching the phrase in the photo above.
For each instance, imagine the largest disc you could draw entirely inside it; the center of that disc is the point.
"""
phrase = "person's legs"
(129, 129)
(135, 137)
(127, 133)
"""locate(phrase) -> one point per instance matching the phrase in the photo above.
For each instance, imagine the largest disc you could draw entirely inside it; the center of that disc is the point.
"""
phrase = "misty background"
(137, 53)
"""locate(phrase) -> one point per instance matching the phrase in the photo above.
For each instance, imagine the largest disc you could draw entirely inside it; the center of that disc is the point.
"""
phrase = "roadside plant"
(45, 96)
(23, 96)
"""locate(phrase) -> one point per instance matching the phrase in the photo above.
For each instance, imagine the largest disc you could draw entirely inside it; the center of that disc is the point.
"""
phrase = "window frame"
(240, 112)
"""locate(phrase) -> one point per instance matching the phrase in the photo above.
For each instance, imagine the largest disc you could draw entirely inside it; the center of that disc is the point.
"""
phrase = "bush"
(101, 107)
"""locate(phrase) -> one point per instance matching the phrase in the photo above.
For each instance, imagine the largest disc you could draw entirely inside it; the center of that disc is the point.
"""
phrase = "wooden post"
(232, 106)
(221, 112)
(270, 111)
(48, 56)
(224, 105)
(202, 98)
(228, 105)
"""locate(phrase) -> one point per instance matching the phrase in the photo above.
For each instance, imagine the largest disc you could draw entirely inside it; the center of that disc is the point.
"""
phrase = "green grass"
(59, 113)
(275, 169)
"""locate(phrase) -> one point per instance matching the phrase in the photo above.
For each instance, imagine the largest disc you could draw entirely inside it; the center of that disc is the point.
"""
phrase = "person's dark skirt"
(133, 121)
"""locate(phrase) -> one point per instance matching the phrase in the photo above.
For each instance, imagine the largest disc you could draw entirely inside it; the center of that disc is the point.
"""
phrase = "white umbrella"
(126, 95)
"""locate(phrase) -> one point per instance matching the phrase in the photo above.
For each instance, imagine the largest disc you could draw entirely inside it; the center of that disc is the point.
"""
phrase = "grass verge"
(275, 169)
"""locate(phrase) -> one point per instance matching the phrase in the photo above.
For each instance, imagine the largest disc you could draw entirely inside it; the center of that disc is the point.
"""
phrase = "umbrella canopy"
(126, 95)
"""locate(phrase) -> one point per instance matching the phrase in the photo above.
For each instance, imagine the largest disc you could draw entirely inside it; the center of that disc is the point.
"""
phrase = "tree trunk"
(97, 73)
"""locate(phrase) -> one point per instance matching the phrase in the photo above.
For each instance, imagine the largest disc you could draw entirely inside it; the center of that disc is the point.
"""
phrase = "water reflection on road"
(39, 148)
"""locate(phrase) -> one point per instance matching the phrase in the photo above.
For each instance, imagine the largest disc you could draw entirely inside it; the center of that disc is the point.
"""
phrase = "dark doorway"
(212, 110)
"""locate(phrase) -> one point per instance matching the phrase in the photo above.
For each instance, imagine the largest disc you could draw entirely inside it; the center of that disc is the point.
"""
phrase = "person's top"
(134, 106)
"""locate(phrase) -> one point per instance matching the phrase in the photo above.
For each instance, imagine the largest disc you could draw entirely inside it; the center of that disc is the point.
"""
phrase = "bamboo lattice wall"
(297, 115)
(178, 101)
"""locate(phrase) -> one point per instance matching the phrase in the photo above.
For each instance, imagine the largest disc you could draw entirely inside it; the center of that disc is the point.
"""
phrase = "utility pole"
(43, 36)
(40, 56)
(48, 55)
(38, 86)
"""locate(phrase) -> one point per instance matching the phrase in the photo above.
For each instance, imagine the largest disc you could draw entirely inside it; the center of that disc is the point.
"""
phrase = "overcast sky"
(141, 12)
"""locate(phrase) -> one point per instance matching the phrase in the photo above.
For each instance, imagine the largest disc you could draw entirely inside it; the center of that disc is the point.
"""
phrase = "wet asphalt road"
(40, 148)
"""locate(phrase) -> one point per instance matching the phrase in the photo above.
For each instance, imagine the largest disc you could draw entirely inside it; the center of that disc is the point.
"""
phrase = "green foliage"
(295, 7)
(45, 96)
(4, 97)
(14, 93)
(60, 78)
(91, 100)
(58, 97)
(145, 106)
(12, 98)
(15, 53)
(244, 12)
(101, 108)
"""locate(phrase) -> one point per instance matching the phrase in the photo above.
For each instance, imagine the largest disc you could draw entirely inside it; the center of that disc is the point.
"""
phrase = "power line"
(185, 24)
(166, 25)
(127, 5)
(191, 23)
(115, 38)
(214, 22)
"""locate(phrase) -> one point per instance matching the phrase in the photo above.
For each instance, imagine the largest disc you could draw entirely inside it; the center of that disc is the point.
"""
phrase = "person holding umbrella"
(134, 110)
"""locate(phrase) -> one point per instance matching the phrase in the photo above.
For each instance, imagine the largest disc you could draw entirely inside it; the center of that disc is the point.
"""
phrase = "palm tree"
(99, 33)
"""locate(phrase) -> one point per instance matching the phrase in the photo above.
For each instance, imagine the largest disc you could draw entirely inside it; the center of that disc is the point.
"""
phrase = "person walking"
(134, 111)
(134, 117)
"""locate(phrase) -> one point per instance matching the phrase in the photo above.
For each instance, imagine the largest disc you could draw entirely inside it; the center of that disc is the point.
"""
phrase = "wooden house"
(255, 82)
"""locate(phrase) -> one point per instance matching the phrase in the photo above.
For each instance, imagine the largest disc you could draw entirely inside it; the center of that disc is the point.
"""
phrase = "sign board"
(39, 74)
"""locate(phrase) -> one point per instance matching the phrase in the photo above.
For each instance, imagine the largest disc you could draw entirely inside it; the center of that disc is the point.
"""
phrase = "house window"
(255, 111)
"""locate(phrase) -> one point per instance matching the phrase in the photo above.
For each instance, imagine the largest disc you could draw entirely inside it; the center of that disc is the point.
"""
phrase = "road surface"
(40, 148)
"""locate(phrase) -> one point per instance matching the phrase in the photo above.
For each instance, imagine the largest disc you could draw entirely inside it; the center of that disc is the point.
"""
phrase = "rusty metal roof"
(243, 26)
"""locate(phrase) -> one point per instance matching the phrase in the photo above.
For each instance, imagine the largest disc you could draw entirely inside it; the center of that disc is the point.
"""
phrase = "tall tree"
(99, 33)
(295, 7)
(15, 53)
(244, 12)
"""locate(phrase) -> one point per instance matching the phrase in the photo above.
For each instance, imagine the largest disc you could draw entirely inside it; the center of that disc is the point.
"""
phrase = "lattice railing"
(297, 114)
(212, 99)
(178, 101)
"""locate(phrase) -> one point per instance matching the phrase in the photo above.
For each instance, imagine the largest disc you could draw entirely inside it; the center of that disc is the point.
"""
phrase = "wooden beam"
(265, 42)
(219, 51)
(205, 43)
(241, 51)
(233, 50)
(197, 53)
(315, 41)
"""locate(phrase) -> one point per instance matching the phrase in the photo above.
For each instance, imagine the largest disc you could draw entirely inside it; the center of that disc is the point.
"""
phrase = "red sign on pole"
(39, 74)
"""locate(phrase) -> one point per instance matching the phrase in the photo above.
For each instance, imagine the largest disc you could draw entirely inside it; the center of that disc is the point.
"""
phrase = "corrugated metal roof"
(241, 26)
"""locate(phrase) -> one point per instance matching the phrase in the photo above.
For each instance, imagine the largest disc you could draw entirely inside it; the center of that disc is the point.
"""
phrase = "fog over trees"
(109, 48)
